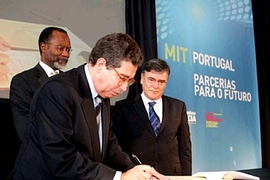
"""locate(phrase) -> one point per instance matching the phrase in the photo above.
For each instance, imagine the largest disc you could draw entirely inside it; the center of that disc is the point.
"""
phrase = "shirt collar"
(146, 100)
(90, 82)
(46, 68)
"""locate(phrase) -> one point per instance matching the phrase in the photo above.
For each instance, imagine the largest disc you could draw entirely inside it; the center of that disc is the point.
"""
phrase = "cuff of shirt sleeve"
(117, 175)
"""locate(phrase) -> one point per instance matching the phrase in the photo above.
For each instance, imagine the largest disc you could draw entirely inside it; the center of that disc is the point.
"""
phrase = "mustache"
(60, 65)
(62, 58)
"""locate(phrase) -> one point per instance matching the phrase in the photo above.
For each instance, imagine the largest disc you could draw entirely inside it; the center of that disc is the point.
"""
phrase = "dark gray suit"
(22, 89)
(170, 152)
(62, 141)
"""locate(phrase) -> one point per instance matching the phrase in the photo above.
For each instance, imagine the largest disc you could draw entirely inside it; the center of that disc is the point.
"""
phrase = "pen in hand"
(136, 159)
(154, 174)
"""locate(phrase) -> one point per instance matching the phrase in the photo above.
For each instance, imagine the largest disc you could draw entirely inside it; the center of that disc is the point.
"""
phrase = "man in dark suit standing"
(163, 143)
(67, 137)
(54, 48)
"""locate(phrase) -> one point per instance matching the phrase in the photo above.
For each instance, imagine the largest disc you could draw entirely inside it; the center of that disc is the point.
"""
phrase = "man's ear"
(101, 62)
(141, 77)
(43, 46)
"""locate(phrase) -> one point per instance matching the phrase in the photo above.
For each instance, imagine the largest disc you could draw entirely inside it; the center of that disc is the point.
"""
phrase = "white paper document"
(229, 175)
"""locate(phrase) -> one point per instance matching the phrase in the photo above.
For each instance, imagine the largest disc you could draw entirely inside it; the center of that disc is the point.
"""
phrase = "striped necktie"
(97, 108)
(154, 119)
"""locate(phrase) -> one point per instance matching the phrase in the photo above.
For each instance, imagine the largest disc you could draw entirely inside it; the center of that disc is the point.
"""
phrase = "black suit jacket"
(22, 89)
(170, 151)
(62, 141)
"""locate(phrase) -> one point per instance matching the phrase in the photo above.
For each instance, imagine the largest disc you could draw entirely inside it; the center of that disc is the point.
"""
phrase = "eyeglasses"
(60, 48)
(123, 79)
(153, 80)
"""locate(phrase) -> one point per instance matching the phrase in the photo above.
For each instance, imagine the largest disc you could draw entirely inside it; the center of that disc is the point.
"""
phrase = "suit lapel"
(142, 113)
(89, 110)
(89, 113)
(43, 78)
(40, 74)
(166, 112)
(105, 108)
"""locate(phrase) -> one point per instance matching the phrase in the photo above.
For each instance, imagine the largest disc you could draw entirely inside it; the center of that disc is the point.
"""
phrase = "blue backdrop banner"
(209, 45)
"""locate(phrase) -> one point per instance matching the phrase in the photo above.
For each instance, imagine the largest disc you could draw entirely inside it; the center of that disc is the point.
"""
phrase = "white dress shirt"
(157, 107)
(49, 71)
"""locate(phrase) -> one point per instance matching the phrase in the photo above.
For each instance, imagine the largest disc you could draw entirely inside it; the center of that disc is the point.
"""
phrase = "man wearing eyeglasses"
(70, 135)
(154, 127)
(54, 47)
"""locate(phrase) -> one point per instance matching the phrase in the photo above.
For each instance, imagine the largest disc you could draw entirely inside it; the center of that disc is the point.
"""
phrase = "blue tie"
(154, 119)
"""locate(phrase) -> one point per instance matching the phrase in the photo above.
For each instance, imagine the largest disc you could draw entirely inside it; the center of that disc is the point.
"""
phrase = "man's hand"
(143, 172)
(157, 176)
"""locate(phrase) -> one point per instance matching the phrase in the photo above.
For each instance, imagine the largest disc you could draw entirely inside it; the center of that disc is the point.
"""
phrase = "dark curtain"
(261, 17)
(140, 24)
